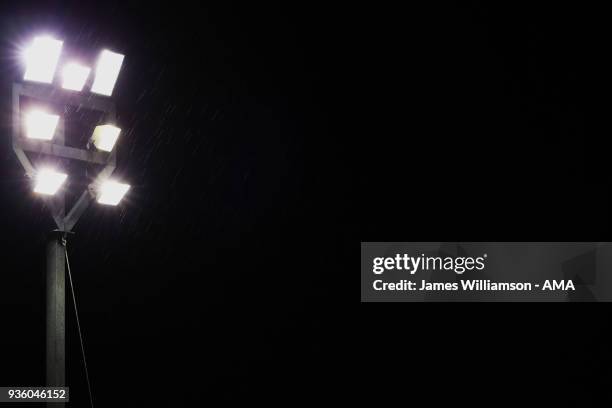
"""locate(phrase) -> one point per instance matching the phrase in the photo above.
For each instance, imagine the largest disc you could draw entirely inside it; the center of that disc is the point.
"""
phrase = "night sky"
(490, 125)
(208, 285)
(227, 275)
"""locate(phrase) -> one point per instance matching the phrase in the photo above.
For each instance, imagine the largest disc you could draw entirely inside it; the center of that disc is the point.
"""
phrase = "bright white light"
(111, 192)
(74, 76)
(107, 71)
(105, 136)
(48, 181)
(40, 124)
(41, 59)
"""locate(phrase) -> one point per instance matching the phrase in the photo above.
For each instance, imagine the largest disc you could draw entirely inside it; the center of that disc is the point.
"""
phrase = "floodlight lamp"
(105, 136)
(48, 181)
(40, 124)
(107, 71)
(111, 192)
(41, 59)
(74, 76)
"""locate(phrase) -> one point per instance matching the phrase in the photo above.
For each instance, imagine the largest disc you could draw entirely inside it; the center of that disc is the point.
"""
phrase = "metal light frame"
(57, 148)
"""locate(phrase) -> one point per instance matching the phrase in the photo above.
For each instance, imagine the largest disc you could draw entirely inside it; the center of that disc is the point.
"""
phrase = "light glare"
(40, 125)
(107, 71)
(41, 59)
(74, 76)
(111, 192)
(105, 136)
(48, 181)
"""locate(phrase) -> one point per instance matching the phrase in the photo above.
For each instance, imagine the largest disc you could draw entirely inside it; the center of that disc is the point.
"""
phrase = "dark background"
(213, 282)
(209, 284)
(491, 125)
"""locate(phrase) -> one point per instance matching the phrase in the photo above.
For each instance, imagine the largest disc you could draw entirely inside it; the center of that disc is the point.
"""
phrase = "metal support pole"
(56, 313)
(56, 256)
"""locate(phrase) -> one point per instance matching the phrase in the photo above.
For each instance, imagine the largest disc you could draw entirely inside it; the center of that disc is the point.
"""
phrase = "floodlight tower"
(39, 131)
